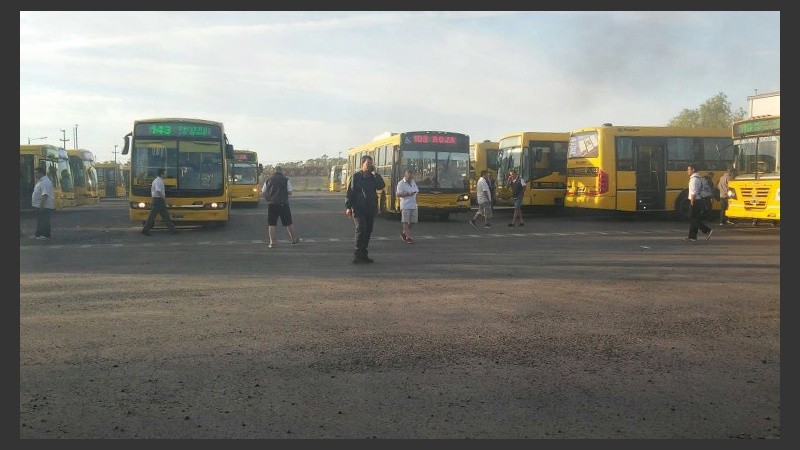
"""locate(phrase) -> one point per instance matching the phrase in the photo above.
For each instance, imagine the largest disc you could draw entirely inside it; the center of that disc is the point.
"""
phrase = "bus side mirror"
(229, 151)
(127, 138)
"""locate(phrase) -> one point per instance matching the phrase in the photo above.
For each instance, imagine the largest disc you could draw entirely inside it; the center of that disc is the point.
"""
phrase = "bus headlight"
(463, 198)
(215, 205)
(138, 205)
(778, 194)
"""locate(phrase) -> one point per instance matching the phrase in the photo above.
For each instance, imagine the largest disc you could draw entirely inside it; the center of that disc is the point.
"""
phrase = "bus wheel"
(681, 211)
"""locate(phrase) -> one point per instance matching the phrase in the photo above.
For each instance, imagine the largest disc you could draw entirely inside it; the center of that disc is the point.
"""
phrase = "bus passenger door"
(650, 178)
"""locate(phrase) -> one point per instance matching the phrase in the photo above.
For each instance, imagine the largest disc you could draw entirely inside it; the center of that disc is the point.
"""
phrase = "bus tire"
(681, 211)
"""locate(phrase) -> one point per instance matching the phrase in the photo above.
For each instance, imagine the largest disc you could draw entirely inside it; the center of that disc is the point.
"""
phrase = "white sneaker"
(42, 238)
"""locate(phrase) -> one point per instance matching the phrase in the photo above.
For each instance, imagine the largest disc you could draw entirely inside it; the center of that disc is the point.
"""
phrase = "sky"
(299, 85)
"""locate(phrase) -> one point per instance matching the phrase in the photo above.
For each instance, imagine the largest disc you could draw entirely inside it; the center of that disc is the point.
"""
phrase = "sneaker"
(488, 225)
(708, 236)
(297, 241)
(511, 224)
(729, 222)
(689, 239)
(472, 222)
(42, 238)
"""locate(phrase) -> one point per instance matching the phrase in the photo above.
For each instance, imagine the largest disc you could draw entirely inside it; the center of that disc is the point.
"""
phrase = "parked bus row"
(632, 169)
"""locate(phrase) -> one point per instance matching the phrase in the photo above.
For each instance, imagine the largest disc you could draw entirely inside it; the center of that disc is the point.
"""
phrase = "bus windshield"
(191, 166)
(758, 157)
(438, 169)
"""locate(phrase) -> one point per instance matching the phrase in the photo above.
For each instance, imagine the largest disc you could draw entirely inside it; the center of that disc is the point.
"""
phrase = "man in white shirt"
(484, 197)
(697, 205)
(42, 200)
(158, 206)
(407, 191)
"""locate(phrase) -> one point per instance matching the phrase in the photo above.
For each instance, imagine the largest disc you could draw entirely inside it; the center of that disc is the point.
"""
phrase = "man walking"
(362, 206)
(722, 185)
(42, 200)
(407, 191)
(484, 196)
(276, 192)
(697, 205)
(158, 206)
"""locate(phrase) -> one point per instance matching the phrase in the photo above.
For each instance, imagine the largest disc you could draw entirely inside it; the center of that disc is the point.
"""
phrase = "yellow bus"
(755, 191)
(243, 173)
(482, 156)
(195, 154)
(540, 158)
(110, 180)
(31, 157)
(338, 177)
(84, 176)
(56, 161)
(642, 168)
(439, 161)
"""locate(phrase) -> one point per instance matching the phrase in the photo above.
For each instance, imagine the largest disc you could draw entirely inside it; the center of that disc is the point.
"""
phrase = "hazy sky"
(299, 85)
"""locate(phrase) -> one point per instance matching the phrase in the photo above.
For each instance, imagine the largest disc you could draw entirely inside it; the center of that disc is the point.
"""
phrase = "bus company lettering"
(427, 139)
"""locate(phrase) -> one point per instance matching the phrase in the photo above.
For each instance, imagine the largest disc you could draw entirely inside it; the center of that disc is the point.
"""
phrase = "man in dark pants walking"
(159, 205)
(362, 205)
(698, 205)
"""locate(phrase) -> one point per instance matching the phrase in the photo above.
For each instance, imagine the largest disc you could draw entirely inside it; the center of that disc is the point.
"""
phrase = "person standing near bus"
(362, 206)
(42, 199)
(697, 205)
(517, 189)
(276, 192)
(484, 196)
(722, 185)
(407, 191)
(158, 198)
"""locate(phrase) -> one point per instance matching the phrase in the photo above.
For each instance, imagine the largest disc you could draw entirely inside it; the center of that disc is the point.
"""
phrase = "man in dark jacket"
(276, 192)
(362, 205)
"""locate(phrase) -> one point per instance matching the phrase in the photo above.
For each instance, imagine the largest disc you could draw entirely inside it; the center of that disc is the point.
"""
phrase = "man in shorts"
(276, 192)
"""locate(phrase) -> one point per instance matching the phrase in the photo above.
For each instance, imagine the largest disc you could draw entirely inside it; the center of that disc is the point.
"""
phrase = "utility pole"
(76, 137)
(64, 139)
(115, 165)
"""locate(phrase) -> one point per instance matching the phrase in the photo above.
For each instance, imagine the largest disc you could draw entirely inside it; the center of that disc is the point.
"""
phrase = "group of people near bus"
(361, 204)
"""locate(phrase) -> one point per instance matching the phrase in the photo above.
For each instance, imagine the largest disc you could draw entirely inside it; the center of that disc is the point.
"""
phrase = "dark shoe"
(689, 239)
(472, 222)
(297, 241)
(521, 224)
(367, 259)
(488, 225)
(511, 224)
(708, 235)
(357, 260)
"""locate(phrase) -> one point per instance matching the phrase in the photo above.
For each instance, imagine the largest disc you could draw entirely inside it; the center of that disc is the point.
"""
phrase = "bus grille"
(755, 197)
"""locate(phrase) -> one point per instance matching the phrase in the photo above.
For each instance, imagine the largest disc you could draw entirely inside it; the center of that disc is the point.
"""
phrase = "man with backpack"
(700, 193)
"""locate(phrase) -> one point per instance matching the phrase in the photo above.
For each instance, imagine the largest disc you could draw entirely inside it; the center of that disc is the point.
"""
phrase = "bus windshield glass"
(190, 165)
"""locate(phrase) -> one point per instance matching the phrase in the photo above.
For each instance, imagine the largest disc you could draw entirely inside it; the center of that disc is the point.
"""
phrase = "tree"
(715, 112)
